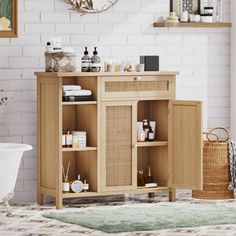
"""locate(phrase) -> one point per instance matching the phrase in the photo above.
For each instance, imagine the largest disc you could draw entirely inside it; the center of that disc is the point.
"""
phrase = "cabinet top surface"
(94, 74)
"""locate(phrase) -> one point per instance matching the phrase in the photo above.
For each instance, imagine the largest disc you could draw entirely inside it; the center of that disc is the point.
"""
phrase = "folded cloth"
(76, 98)
(71, 87)
(82, 92)
(232, 163)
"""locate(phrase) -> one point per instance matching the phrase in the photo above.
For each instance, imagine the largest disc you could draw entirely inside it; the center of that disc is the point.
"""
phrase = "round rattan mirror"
(91, 6)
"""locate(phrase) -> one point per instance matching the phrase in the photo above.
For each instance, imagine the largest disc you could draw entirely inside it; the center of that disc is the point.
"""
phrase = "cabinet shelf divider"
(79, 149)
(152, 144)
(80, 103)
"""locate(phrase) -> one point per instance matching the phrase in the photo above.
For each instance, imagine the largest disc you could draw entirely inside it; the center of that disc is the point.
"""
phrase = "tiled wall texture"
(122, 33)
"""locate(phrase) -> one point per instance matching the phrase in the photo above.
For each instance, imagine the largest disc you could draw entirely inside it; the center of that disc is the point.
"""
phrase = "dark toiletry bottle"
(146, 127)
(95, 62)
(150, 134)
(85, 61)
(149, 177)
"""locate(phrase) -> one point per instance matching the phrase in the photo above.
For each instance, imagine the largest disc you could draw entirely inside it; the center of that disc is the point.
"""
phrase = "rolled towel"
(71, 87)
(82, 92)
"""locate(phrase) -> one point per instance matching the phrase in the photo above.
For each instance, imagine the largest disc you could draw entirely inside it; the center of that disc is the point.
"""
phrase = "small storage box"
(60, 62)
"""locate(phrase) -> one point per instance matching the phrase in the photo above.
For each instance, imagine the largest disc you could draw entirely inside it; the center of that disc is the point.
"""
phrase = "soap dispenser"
(85, 61)
(95, 62)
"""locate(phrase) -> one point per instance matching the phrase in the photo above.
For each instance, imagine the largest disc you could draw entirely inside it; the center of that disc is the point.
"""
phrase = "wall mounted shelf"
(193, 25)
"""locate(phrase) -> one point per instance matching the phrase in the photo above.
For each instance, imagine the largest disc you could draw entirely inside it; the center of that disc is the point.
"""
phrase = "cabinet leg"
(172, 195)
(151, 195)
(40, 199)
(59, 203)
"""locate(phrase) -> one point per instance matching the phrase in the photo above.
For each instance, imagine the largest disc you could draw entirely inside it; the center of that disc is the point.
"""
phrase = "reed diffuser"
(65, 182)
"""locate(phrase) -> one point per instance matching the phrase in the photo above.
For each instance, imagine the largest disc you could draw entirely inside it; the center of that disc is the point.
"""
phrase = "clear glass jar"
(60, 62)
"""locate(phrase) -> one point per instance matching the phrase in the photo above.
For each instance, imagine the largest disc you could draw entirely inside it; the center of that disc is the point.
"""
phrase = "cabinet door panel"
(118, 153)
(185, 145)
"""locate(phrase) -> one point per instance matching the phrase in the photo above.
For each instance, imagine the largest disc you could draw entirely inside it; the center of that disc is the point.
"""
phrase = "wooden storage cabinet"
(113, 155)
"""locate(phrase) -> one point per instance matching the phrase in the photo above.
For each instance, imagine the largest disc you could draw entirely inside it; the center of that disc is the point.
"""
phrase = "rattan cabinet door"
(119, 155)
(185, 145)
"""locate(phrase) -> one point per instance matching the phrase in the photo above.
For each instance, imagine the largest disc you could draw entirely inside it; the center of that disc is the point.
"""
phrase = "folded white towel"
(71, 87)
(82, 92)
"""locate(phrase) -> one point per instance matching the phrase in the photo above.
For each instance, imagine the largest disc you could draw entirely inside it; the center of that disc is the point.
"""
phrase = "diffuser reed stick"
(67, 170)
(63, 172)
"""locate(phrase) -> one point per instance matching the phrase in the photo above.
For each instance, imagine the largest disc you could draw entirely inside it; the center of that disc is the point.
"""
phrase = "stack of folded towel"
(72, 93)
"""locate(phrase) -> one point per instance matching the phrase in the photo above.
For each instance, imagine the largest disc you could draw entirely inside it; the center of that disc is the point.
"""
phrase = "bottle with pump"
(85, 61)
(95, 62)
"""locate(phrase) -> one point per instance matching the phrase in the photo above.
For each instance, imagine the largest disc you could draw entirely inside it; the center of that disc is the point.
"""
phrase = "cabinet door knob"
(137, 78)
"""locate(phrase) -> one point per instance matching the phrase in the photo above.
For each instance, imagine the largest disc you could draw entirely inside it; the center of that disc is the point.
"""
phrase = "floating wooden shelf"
(79, 149)
(80, 103)
(194, 25)
(152, 144)
(94, 194)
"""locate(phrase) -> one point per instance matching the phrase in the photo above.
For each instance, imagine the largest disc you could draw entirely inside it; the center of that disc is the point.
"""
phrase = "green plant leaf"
(6, 9)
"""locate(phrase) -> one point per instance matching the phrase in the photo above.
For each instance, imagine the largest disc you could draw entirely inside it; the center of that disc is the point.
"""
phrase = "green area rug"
(146, 217)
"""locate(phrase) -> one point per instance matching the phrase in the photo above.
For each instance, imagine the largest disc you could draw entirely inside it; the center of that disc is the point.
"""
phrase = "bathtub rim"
(11, 147)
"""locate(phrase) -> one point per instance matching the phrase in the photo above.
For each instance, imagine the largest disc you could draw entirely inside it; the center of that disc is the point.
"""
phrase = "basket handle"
(212, 134)
(220, 140)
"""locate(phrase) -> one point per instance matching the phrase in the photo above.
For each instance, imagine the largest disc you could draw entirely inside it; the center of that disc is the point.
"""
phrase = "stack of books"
(74, 93)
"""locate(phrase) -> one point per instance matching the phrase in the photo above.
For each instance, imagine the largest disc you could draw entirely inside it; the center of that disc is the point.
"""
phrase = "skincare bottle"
(149, 177)
(69, 139)
(95, 62)
(146, 127)
(151, 134)
(86, 186)
(63, 141)
(85, 61)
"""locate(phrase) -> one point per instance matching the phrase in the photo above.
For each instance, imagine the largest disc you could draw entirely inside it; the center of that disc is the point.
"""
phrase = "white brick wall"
(122, 33)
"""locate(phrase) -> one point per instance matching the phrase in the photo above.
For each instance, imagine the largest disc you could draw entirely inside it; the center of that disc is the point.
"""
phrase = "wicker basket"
(216, 170)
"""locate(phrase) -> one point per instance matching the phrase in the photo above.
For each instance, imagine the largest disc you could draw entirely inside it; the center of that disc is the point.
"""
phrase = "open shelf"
(79, 103)
(96, 194)
(155, 189)
(152, 144)
(82, 194)
(79, 149)
(193, 25)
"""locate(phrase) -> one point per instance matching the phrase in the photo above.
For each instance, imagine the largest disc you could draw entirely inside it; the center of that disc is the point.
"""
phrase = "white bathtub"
(10, 158)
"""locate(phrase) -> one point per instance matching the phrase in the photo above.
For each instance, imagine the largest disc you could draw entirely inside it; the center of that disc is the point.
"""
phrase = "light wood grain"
(152, 144)
(79, 103)
(95, 194)
(113, 155)
(86, 149)
(194, 25)
(185, 145)
(99, 74)
(49, 133)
